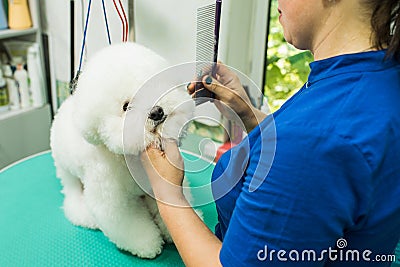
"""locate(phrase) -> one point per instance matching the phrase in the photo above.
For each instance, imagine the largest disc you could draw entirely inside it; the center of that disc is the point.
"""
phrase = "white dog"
(91, 133)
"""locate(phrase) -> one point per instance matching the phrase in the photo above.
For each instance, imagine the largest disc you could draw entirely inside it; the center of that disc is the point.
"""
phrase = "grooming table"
(34, 231)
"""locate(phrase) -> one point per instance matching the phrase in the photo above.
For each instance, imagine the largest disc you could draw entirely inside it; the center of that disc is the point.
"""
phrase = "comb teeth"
(205, 39)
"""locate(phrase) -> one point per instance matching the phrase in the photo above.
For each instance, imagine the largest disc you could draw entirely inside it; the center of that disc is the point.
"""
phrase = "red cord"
(123, 25)
(124, 21)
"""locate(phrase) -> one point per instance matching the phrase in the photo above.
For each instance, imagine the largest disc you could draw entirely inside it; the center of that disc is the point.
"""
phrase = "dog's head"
(112, 108)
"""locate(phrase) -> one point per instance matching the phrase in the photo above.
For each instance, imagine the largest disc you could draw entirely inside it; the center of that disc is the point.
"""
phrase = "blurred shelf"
(26, 131)
(16, 33)
(12, 113)
(23, 133)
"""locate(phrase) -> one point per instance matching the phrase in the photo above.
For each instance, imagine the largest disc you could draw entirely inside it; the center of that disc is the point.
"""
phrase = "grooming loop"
(125, 32)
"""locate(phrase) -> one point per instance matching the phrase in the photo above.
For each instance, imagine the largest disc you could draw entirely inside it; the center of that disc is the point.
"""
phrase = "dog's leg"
(125, 220)
(75, 208)
(152, 206)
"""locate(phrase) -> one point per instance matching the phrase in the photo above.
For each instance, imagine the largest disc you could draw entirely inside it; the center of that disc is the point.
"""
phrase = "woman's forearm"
(196, 244)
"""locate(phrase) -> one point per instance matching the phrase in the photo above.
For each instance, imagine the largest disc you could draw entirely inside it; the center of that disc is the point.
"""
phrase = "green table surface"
(34, 231)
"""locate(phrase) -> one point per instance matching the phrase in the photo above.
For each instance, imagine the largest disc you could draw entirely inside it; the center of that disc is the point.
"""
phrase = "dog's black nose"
(156, 113)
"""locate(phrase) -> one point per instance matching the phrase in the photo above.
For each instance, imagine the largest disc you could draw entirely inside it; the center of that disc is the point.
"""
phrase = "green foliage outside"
(287, 68)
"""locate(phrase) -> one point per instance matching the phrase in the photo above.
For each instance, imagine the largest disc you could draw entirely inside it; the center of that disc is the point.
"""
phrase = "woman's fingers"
(208, 83)
(221, 71)
(169, 157)
(190, 87)
(213, 85)
(172, 153)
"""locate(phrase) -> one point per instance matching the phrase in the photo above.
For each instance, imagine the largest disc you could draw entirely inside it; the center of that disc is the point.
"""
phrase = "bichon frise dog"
(88, 145)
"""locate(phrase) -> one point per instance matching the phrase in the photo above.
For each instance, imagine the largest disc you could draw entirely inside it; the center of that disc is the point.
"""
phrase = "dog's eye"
(125, 107)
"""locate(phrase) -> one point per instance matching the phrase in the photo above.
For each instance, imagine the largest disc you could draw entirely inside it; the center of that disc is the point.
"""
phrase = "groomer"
(334, 174)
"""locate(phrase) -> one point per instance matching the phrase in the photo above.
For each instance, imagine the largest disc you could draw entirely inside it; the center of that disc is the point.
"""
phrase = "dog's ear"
(87, 124)
(89, 131)
(92, 137)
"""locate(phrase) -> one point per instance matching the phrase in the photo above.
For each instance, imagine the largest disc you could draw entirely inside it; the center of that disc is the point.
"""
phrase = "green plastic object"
(34, 231)
(397, 253)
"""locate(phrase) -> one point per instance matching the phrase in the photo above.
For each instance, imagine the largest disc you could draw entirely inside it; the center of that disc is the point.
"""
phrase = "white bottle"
(12, 88)
(35, 76)
(21, 76)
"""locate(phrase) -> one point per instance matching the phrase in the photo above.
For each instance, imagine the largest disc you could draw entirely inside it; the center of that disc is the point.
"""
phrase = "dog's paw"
(149, 253)
(77, 213)
(163, 228)
(167, 236)
(147, 247)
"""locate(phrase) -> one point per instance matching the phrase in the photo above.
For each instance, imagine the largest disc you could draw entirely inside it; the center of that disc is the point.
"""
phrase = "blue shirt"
(320, 174)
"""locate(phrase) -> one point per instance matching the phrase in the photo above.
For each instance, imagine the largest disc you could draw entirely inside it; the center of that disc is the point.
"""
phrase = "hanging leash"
(74, 82)
(106, 21)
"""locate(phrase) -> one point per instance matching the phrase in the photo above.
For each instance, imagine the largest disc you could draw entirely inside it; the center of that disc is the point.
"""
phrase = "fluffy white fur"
(90, 134)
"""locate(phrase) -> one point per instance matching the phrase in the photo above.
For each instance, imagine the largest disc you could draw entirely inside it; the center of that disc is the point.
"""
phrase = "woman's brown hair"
(385, 22)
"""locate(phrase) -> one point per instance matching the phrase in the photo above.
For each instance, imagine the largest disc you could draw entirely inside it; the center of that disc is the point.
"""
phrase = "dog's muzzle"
(157, 114)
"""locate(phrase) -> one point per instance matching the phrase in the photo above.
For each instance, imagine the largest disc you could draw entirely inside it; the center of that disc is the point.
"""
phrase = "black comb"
(208, 27)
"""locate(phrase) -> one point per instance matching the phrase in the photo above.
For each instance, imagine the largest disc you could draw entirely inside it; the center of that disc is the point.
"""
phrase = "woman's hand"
(233, 99)
(165, 170)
